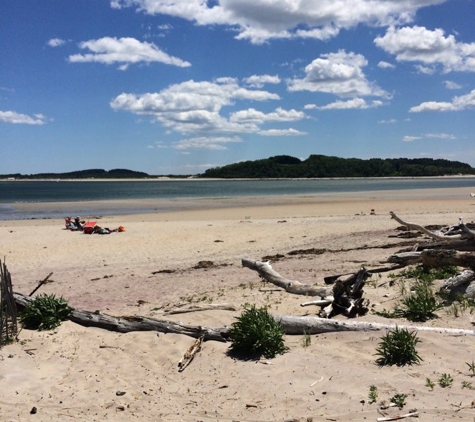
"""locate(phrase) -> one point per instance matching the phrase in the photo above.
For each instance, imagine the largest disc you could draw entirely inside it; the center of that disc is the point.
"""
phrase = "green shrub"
(419, 306)
(256, 333)
(45, 312)
(398, 347)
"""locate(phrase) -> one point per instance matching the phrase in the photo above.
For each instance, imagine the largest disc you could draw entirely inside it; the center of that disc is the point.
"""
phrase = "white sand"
(68, 374)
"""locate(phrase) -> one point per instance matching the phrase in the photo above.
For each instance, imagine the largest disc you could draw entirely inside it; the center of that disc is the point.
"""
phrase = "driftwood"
(435, 258)
(199, 308)
(290, 324)
(460, 284)
(126, 324)
(458, 237)
(190, 354)
(345, 297)
(456, 232)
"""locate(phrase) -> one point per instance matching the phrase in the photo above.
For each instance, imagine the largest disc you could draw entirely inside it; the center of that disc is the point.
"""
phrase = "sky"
(180, 86)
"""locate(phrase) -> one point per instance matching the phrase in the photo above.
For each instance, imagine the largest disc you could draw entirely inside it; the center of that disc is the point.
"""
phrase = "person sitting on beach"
(78, 223)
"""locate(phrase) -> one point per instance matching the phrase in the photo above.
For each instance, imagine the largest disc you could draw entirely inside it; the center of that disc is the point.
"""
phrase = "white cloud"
(387, 122)
(452, 85)
(254, 116)
(425, 70)
(386, 65)
(262, 20)
(354, 103)
(458, 103)
(18, 118)
(258, 81)
(418, 44)
(411, 138)
(282, 132)
(191, 107)
(444, 136)
(206, 143)
(338, 73)
(110, 50)
(56, 42)
(440, 136)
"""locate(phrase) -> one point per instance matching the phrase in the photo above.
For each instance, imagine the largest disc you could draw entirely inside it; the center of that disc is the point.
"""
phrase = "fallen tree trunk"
(345, 297)
(435, 258)
(265, 270)
(460, 284)
(291, 324)
(126, 324)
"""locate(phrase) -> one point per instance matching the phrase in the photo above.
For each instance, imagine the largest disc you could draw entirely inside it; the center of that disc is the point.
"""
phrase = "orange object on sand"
(88, 228)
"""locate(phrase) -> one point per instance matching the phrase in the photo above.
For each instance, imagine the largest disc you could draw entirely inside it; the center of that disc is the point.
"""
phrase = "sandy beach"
(90, 374)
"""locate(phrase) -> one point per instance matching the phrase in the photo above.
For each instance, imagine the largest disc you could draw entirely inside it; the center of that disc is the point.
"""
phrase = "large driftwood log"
(460, 284)
(291, 324)
(456, 232)
(126, 324)
(265, 270)
(435, 258)
(345, 297)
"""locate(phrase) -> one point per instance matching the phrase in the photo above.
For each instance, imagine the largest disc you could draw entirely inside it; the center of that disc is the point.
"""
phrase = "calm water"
(17, 192)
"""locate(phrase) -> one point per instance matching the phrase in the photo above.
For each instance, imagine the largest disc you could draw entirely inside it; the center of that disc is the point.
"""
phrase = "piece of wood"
(126, 324)
(199, 308)
(461, 231)
(265, 270)
(460, 284)
(398, 417)
(292, 325)
(190, 354)
(44, 281)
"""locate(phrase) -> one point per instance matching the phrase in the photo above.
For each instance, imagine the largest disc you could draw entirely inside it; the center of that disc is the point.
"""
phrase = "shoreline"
(455, 199)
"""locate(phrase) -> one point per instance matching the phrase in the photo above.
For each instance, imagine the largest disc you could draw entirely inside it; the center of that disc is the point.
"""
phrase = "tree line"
(321, 166)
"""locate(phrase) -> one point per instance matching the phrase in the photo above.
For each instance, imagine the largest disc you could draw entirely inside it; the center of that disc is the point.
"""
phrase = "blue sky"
(176, 87)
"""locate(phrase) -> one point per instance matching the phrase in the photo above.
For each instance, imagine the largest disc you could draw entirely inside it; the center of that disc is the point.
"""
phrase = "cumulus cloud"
(191, 107)
(282, 132)
(430, 47)
(56, 42)
(338, 73)
(261, 20)
(254, 116)
(206, 143)
(445, 136)
(18, 118)
(408, 138)
(452, 85)
(386, 65)
(458, 103)
(440, 136)
(354, 103)
(109, 50)
(258, 81)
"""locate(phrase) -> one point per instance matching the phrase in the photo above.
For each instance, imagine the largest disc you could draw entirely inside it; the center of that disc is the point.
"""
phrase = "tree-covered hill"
(319, 166)
(83, 174)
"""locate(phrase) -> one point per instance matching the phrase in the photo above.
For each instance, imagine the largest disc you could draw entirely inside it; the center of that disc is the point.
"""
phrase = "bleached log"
(445, 257)
(321, 302)
(463, 232)
(265, 270)
(199, 308)
(460, 284)
(290, 324)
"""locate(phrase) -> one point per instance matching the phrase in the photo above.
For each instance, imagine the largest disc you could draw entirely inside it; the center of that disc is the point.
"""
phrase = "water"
(14, 193)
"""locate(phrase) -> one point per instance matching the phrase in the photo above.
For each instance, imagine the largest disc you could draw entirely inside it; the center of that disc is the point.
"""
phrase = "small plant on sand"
(419, 306)
(430, 383)
(471, 368)
(467, 384)
(45, 312)
(399, 400)
(256, 333)
(373, 394)
(307, 339)
(398, 347)
(446, 380)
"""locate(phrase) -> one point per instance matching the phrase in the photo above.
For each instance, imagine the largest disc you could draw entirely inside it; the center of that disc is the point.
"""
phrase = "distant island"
(321, 166)
(287, 167)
